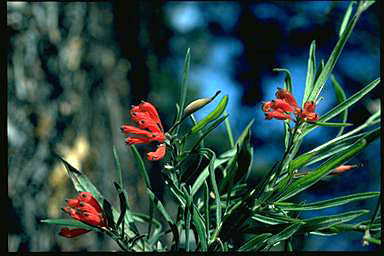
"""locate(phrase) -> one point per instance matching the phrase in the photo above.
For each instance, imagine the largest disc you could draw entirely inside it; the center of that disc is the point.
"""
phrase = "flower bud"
(198, 104)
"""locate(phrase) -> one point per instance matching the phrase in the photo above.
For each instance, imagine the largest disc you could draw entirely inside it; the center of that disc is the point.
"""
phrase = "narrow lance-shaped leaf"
(183, 88)
(215, 189)
(123, 204)
(318, 72)
(200, 228)
(372, 120)
(210, 128)
(311, 69)
(344, 105)
(206, 208)
(323, 77)
(211, 116)
(313, 177)
(187, 216)
(340, 97)
(288, 87)
(333, 124)
(324, 222)
(327, 203)
(142, 169)
(144, 174)
(238, 166)
(143, 218)
(272, 220)
(118, 167)
(229, 131)
(331, 151)
(159, 206)
(71, 223)
(346, 18)
(284, 234)
(255, 243)
(288, 78)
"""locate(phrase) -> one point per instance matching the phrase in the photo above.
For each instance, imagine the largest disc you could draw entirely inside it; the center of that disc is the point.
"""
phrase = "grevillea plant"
(217, 209)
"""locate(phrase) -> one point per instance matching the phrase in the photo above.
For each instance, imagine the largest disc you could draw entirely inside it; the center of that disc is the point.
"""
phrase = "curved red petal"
(128, 129)
(70, 233)
(158, 154)
(148, 107)
(131, 140)
(309, 106)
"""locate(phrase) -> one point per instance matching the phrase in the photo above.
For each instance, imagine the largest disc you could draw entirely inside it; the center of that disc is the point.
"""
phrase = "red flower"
(158, 154)
(277, 114)
(309, 106)
(150, 129)
(308, 114)
(70, 233)
(285, 103)
(282, 105)
(284, 94)
(267, 106)
(86, 209)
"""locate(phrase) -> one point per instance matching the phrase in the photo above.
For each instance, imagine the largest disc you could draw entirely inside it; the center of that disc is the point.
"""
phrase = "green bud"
(198, 104)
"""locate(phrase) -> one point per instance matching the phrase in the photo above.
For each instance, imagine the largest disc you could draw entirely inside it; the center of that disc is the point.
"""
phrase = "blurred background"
(74, 70)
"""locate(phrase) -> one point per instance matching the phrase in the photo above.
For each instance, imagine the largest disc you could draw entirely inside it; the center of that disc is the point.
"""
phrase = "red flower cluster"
(150, 129)
(285, 104)
(86, 209)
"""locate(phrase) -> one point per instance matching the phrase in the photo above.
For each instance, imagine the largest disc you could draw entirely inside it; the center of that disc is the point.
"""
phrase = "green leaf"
(211, 116)
(326, 71)
(318, 72)
(260, 188)
(239, 165)
(285, 233)
(271, 220)
(159, 206)
(143, 218)
(324, 222)
(327, 203)
(301, 160)
(344, 105)
(210, 128)
(340, 96)
(175, 190)
(183, 88)
(81, 182)
(335, 145)
(229, 131)
(205, 173)
(142, 169)
(123, 204)
(200, 228)
(206, 208)
(187, 217)
(144, 174)
(346, 18)
(71, 223)
(331, 151)
(310, 72)
(333, 124)
(256, 243)
(288, 78)
(287, 134)
(118, 167)
(313, 177)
